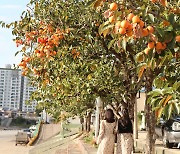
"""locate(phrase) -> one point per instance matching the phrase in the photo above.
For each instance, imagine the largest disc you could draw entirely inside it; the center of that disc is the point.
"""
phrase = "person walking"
(106, 135)
(124, 133)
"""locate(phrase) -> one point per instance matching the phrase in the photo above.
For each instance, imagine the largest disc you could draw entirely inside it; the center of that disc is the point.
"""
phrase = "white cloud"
(10, 6)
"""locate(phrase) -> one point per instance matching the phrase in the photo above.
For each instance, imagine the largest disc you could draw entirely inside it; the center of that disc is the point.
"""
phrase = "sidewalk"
(139, 146)
(88, 148)
(85, 147)
(76, 145)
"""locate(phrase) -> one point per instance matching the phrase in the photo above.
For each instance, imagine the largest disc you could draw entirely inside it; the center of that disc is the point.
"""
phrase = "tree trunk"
(88, 122)
(99, 104)
(131, 106)
(85, 123)
(150, 117)
(82, 123)
(135, 124)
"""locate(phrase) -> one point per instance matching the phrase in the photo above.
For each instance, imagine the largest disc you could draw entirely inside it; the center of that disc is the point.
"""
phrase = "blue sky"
(10, 10)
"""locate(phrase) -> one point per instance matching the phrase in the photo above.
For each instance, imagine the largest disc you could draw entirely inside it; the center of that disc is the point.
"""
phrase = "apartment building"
(15, 90)
(27, 91)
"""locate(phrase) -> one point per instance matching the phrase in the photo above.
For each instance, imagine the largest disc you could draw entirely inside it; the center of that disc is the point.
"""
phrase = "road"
(7, 143)
(159, 144)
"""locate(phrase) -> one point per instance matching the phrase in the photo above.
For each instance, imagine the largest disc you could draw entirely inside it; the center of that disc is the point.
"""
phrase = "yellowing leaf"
(97, 3)
(167, 99)
(105, 32)
(141, 71)
(89, 77)
(158, 112)
(140, 57)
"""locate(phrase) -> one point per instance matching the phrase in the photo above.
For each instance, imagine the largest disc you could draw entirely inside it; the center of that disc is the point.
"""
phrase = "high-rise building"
(27, 90)
(15, 90)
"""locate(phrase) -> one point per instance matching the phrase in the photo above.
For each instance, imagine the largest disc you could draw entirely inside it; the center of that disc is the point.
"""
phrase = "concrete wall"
(141, 102)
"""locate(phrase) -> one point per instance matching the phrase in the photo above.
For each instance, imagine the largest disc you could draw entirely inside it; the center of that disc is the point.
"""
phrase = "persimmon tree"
(165, 97)
(67, 59)
(149, 31)
(73, 54)
(58, 39)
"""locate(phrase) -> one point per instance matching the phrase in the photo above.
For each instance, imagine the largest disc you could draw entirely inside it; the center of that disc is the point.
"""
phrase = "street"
(140, 143)
(7, 143)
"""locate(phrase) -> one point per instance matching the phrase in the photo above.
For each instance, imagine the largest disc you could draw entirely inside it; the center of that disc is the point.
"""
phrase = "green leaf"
(149, 100)
(153, 64)
(171, 18)
(176, 107)
(89, 3)
(3, 25)
(153, 100)
(104, 27)
(146, 10)
(171, 45)
(170, 109)
(17, 53)
(158, 83)
(156, 92)
(151, 17)
(111, 43)
(169, 29)
(176, 85)
(166, 110)
(168, 90)
(160, 104)
(160, 31)
(124, 43)
(163, 60)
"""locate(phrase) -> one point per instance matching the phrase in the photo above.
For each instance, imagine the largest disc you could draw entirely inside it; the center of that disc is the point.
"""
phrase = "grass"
(69, 128)
(89, 139)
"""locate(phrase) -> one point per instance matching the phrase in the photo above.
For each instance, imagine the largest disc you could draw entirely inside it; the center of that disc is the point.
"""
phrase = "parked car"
(32, 129)
(169, 131)
(22, 138)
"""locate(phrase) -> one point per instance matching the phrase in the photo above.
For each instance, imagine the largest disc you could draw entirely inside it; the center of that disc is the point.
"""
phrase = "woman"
(106, 135)
(125, 133)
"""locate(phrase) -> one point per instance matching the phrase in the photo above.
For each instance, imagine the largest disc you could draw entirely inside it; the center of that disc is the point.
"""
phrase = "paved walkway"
(76, 145)
(71, 148)
(89, 149)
